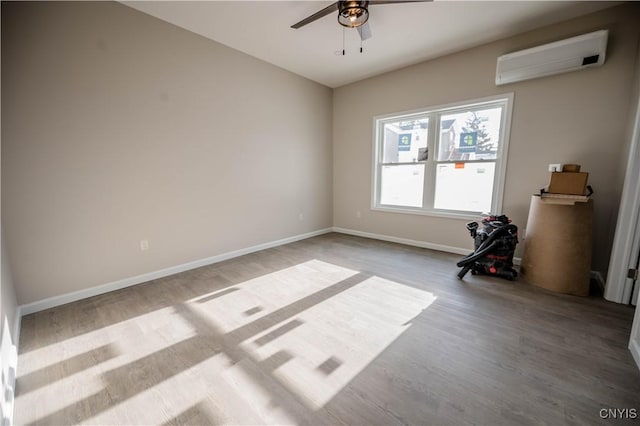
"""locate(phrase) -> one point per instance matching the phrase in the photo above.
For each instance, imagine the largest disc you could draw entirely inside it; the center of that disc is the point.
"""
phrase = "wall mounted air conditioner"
(572, 54)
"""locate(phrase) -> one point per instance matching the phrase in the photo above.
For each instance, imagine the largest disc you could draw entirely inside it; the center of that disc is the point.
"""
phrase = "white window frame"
(434, 113)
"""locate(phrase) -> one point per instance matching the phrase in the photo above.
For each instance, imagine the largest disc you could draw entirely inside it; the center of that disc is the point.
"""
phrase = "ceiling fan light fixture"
(352, 14)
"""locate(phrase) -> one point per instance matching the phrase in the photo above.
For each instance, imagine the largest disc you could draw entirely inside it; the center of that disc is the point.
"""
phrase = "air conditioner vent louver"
(572, 54)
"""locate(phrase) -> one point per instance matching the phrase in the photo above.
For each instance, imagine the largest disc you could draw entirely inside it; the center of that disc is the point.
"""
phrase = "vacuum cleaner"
(495, 244)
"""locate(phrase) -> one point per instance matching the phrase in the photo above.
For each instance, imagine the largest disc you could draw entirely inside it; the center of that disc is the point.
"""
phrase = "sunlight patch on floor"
(339, 337)
(271, 349)
(269, 292)
(164, 401)
(313, 353)
(57, 394)
(163, 322)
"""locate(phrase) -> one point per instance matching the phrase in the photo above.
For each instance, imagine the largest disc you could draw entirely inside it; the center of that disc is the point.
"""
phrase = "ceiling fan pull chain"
(361, 45)
(342, 41)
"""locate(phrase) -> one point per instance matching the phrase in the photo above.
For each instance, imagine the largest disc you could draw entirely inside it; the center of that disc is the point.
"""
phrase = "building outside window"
(447, 160)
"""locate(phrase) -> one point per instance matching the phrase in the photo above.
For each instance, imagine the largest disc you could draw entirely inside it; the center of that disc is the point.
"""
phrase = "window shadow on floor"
(125, 382)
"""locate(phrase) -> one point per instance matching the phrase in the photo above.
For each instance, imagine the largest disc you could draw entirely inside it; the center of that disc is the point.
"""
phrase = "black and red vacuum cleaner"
(494, 245)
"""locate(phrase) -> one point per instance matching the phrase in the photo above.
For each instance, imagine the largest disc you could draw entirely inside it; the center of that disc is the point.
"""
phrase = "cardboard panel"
(557, 250)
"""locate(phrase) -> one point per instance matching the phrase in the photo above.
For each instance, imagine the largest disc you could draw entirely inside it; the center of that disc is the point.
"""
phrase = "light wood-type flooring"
(331, 330)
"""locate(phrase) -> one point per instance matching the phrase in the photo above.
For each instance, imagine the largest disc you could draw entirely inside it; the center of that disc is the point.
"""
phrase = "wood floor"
(331, 330)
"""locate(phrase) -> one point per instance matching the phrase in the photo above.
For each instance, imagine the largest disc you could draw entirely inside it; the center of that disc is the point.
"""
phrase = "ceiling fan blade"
(319, 14)
(365, 31)
(397, 1)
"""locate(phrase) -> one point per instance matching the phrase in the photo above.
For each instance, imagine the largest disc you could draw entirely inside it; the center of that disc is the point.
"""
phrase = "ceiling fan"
(351, 14)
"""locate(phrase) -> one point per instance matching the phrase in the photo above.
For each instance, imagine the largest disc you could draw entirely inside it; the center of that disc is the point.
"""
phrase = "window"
(444, 161)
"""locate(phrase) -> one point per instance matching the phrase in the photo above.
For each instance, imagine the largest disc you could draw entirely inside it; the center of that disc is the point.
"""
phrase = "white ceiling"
(403, 34)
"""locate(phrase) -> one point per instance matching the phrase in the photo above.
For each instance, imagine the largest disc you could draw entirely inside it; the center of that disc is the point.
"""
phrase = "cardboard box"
(568, 183)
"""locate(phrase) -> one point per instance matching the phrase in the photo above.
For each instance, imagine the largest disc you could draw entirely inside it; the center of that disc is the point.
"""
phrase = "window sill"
(446, 215)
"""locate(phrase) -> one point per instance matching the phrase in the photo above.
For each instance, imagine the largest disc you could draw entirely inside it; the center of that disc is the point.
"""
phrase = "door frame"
(626, 243)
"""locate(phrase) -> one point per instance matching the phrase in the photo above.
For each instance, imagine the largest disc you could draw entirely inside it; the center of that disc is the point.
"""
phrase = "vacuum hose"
(487, 245)
(476, 254)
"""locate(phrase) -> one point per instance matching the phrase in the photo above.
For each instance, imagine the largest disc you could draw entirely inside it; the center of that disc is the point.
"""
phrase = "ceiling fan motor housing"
(353, 13)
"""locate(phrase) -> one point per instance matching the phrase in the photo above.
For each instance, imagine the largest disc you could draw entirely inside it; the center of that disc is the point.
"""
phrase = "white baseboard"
(127, 282)
(409, 242)
(51, 302)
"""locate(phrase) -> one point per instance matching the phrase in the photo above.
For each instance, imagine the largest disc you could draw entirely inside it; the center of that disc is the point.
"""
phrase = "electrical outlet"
(301, 217)
(358, 214)
(555, 167)
(144, 245)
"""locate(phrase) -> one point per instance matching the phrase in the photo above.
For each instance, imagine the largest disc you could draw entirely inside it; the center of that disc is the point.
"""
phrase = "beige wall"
(119, 127)
(578, 117)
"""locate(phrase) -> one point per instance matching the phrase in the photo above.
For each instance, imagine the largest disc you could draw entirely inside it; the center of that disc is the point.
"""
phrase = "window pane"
(470, 135)
(464, 186)
(402, 185)
(405, 141)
